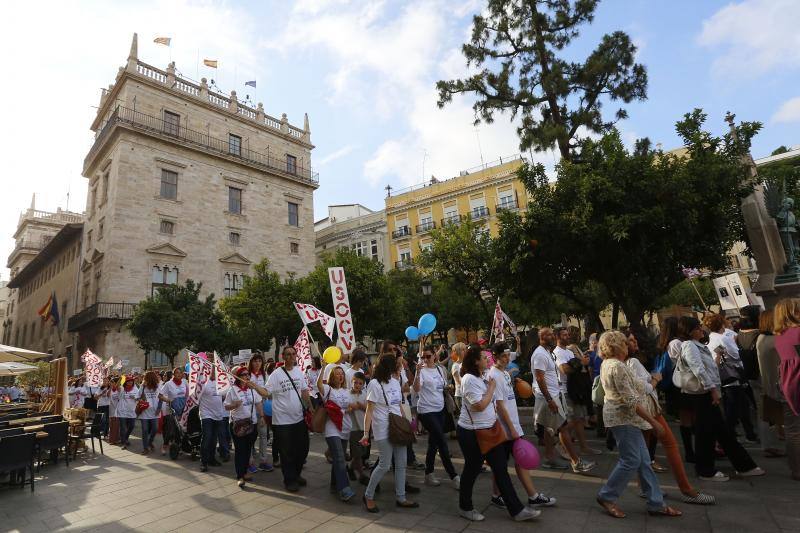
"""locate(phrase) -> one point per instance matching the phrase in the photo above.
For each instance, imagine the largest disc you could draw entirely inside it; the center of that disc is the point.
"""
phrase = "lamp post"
(427, 289)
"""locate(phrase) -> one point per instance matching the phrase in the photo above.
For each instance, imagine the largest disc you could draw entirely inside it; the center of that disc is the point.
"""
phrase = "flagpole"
(313, 342)
(691, 282)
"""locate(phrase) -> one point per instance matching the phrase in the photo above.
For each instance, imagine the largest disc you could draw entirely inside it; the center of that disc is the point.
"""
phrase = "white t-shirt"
(563, 356)
(211, 402)
(504, 391)
(126, 402)
(456, 371)
(286, 406)
(728, 342)
(431, 391)
(380, 411)
(260, 379)
(674, 349)
(543, 360)
(357, 416)
(113, 400)
(151, 397)
(247, 409)
(340, 397)
(473, 389)
(312, 376)
(75, 396)
(173, 391)
(104, 397)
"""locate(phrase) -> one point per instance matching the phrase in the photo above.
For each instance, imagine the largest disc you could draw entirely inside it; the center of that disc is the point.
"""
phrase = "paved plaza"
(125, 491)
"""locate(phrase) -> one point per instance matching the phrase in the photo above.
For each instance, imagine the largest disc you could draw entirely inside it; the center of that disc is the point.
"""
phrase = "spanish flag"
(49, 310)
(210, 63)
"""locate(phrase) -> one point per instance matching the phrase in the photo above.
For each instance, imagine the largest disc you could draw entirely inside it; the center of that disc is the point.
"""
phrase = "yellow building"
(479, 194)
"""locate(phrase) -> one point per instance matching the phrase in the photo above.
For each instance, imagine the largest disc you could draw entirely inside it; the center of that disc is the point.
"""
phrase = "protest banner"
(341, 310)
(310, 314)
(224, 378)
(302, 348)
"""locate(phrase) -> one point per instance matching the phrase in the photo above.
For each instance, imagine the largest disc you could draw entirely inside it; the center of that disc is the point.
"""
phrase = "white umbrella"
(14, 369)
(18, 355)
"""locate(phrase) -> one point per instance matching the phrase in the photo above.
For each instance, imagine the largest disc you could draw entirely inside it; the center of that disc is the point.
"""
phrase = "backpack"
(749, 359)
(579, 383)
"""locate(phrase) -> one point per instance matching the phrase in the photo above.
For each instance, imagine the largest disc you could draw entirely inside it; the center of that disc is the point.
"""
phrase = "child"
(358, 404)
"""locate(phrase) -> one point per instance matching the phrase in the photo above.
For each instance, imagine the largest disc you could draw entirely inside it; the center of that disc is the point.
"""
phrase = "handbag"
(449, 402)
(598, 392)
(728, 372)
(308, 415)
(489, 438)
(320, 417)
(400, 432)
(141, 405)
(684, 378)
(243, 427)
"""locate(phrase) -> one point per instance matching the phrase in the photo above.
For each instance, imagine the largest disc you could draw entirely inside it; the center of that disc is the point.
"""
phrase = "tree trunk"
(614, 315)
(172, 360)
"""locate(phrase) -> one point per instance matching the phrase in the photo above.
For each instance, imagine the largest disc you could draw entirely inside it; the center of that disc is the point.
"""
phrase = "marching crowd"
(712, 377)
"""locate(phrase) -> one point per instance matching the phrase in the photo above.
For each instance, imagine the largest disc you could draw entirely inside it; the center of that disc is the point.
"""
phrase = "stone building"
(5, 307)
(355, 227)
(184, 183)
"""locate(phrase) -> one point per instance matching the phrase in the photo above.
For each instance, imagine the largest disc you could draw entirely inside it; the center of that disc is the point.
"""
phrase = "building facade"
(184, 183)
(354, 227)
(478, 194)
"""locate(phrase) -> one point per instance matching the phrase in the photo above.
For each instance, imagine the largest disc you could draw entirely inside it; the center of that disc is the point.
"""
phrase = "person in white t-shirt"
(313, 374)
(149, 417)
(127, 396)
(506, 404)
(358, 404)
(240, 401)
(113, 420)
(290, 398)
(337, 429)
(103, 404)
(429, 383)
(478, 412)
(549, 407)
(358, 363)
(211, 412)
(260, 459)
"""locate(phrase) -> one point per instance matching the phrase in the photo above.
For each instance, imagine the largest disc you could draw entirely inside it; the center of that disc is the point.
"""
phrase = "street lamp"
(426, 287)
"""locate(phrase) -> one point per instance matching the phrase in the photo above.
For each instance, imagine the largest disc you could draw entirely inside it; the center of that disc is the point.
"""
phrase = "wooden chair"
(92, 432)
(57, 438)
(16, 453)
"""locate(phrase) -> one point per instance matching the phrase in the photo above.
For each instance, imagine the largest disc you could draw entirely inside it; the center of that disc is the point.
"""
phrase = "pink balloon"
(526, 455)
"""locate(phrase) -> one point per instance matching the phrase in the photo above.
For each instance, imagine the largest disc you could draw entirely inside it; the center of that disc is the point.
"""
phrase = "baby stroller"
(187, 441)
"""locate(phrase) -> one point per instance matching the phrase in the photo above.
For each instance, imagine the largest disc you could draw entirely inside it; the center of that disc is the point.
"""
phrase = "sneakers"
(498, 502)
(265, 467)
(563, 452)
(252, 469)
(540, 500)
(456, 482)
(752, 473)
(700, 499)
(431, 480)
(527, 513)
(718, 476)
(555, 464)
(473, 515)
(582, 467)
(346, 494)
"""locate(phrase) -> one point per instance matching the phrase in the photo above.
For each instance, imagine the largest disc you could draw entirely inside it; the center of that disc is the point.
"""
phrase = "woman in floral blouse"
(625, 416)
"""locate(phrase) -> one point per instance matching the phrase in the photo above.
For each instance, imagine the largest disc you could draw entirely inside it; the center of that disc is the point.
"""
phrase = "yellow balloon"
(332, 354)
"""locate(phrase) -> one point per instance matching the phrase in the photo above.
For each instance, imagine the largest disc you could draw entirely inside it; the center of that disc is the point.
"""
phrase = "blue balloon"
(513, 369)
(186, 368)
(412, 333)
(427, 323)
(267, 407)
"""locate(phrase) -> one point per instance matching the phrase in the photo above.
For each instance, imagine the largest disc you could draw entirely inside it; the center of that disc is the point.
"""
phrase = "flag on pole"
(497, 324)
(302, 347)
(310, 314)
(110, 362)
(49, 311)
(691, 273)
(210, 63)
(163, 40)
(118, 366)
(511, 325)
(224, 377)
(251, 83)
(199, 374)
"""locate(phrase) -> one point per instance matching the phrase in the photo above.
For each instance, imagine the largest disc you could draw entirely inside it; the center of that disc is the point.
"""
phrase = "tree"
(683, 294)
(629, 221)
(519, 45)
(781, 177)
(36, 378)
(175, 318)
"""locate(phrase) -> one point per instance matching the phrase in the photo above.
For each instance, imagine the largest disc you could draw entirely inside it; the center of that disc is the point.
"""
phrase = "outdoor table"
(41, 435)
(37, 427)
(23, 421)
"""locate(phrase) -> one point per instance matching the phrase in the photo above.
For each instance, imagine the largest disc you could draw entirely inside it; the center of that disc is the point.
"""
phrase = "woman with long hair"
(702, 392)
(787, 338)
(258, 376)
(127, 396)
(625, 416)
(337, 432)
(384, 396)
(772, 400)
(478, 413)
(240, 401)
(149, 417)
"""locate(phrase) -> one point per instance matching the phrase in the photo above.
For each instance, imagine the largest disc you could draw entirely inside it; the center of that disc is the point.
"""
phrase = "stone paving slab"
(125, 491)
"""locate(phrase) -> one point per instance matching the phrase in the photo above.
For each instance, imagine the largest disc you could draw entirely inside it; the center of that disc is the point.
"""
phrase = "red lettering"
(340, 294)
(342, 324)
(346, 343)
(337, 273)
(342, 310)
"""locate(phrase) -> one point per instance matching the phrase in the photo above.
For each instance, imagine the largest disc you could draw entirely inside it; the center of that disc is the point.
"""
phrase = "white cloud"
(337, 154)
(755, 36)
(788, 112)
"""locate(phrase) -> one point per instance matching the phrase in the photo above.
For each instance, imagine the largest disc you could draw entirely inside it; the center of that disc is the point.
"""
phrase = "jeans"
(104, 427)
(473, 461)
(149, 428)
(339, 477)
(260, 451)
(126, 426)
(709, 427)
(292, 442)
(791, 425)
(242, 447)
(434, 424)
(211, 433)
(388, 452)
(737, 409)
(633, 458)
(224, 439)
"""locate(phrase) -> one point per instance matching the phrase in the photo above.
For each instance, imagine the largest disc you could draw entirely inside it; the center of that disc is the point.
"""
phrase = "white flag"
(310, 314)
(302, 347)
(224, 378)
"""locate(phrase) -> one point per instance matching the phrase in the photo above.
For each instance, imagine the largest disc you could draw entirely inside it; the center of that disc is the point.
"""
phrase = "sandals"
(611, 508)
(666, 511)
(373, 509)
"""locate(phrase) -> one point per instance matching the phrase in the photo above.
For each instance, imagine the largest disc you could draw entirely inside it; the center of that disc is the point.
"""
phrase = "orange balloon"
(454, 357)
(523, 388)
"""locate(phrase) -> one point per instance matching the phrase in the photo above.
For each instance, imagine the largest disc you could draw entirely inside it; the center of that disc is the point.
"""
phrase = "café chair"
(16, 453)
(92, 432)
(57, 438)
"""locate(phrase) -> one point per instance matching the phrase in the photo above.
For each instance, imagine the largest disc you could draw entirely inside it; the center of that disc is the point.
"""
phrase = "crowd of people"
(711, 377)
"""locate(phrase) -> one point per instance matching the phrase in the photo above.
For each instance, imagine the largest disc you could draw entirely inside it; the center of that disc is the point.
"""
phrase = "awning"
(19, 355)
(15, 369)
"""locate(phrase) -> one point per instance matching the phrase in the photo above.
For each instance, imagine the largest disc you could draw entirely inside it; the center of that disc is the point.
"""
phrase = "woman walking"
(625, 416)
(787, 331)
(127, 397)
(429, 384)
(772, 400)
(384, 397)
(337, 430)
(258, 376)
(702, 391)
(478, 413)
(103, 405)
(173, 393)
(240, 402)
(149, 417)
(113, 424)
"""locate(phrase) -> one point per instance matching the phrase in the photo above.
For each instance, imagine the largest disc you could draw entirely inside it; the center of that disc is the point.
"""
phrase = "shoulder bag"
(598, 392)
(243, 427)
(728, 372)
(449, 402)
(489, 438)
(684, 378)
(308, 416)
(320, 416)
(142, 405)
(400, 432)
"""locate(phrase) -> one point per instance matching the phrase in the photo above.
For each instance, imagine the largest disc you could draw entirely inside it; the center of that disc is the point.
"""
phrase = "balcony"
(100, 311)
(403, 264)
(453, 220)
(479, 213)
(138, 121)
(510, 205)
(401, 232)
(425, 227)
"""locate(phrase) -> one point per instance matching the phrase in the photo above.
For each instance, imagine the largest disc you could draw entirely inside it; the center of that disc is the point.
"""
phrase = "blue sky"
(364, 71)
